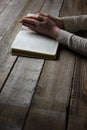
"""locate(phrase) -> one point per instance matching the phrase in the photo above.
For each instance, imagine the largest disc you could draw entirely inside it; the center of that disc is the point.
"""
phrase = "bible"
(31, 44)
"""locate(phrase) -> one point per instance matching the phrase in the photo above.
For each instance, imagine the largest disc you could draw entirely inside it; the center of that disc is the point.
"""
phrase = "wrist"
(55, 33)
(62, 23)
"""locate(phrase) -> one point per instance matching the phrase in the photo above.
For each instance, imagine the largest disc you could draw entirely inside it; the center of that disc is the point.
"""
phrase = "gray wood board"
(8, 18)
(77, 114)
(14, 99)
(54, 86)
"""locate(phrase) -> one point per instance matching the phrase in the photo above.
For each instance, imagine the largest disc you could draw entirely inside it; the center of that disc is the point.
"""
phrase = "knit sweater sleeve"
(68, 38)
(75, 23)
(72, 41)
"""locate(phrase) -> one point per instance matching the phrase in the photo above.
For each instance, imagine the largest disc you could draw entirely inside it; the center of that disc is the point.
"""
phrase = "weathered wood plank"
(50, 90)
(17, 92)
(53, 89)
(50, 94)
(78, 103)
(78, 106)
(8, 18)
(43, 119)
(52, 7)
(77, 123)
(73, 7)
(3, 5)
(6, 60)
(62, 69)
(10, 14)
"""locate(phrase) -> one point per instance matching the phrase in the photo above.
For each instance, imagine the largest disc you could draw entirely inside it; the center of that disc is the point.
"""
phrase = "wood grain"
(74, 7)
(8, 18)
(3, 5)
(77, 123)
(52, 7)
(44, 119)
(78, 103)
(6, 59)
(53, 89)
(21, 75)
(10, 14)
(16, 95)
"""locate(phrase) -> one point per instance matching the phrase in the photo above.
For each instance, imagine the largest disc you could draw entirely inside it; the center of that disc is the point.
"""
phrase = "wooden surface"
(37, 94)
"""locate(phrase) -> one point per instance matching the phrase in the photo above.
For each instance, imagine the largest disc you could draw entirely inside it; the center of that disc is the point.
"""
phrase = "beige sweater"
(68, 38)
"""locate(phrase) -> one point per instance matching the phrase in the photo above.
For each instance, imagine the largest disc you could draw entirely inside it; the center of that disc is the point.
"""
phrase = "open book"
(32, 44)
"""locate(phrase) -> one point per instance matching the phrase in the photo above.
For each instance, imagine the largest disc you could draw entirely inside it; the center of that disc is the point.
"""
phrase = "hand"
(41, 24)
(57, 20)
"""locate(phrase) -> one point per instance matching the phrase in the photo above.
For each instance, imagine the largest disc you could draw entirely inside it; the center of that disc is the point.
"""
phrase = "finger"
(36, 17)
(31, 16)
(51, 17)
(40, 18)
(25, 20)
(47, 15)
(43, 14)
(25, 24)
(33, 28)
(28, 25)
(29, 21)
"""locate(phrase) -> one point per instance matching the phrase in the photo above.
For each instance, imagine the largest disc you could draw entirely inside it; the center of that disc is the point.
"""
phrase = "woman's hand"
(59, 21)
(41, 24)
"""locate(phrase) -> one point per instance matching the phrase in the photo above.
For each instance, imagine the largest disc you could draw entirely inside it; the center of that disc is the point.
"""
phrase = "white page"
(33, 42)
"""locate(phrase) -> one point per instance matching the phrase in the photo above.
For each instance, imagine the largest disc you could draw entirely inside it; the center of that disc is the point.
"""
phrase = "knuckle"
(47, 19)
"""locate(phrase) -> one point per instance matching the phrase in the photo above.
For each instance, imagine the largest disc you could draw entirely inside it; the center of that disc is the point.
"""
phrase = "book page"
(33, 42)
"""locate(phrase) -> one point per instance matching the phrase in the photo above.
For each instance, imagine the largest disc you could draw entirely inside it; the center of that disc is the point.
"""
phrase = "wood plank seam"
(5, 38)
(26, 116)
(8, 74)
(42, 5)
(61, 8)
(31, 81)
(5, 7)
(34, 103)
(15, 22)
(68, 106)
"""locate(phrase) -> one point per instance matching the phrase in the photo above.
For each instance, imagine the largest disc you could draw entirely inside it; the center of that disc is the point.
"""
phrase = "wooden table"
(38, 94)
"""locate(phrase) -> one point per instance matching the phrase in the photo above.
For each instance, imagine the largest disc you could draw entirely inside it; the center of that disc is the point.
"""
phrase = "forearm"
(75, 23)
(72, 41)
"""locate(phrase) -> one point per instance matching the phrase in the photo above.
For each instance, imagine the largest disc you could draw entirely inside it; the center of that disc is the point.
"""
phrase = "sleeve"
(73, 42)
(75, 23)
